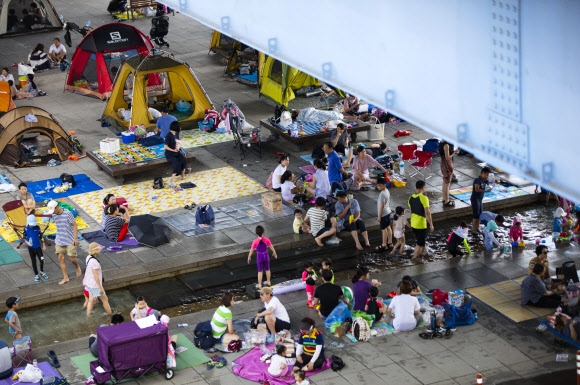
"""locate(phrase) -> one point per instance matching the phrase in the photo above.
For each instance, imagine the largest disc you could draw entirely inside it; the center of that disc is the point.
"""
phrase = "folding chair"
(407, 151)
(249, 141)
(424, 159)
(16, 219)
(22, 351)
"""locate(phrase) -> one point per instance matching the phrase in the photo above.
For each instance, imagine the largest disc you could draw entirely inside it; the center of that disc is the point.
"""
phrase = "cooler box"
(272, 201)
(110, 145)
(128, 137)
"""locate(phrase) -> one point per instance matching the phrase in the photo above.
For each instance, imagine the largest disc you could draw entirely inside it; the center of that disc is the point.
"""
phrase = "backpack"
(384, 161)
(68, 178)
(360, 329)
(158, 183)
(337, 363)
(278, 113)
(431, 145)
(318, 152)
(203, 335)
(235, 346)
(204, 215)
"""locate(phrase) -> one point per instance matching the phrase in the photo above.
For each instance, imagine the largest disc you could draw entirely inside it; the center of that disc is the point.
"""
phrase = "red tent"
(99, 56)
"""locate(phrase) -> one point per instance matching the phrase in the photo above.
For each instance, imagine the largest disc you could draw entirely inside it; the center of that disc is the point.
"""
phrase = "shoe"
(310, 305)
(44, 276)
(37, 279)
(53, 358)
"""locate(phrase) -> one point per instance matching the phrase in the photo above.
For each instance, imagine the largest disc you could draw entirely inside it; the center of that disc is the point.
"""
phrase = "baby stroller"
(160, 27)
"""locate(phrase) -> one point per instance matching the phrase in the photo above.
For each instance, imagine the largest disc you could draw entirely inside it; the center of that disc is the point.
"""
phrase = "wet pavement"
(495, 346)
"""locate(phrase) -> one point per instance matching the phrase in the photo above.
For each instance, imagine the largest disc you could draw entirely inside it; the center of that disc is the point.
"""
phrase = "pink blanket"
(251, 368)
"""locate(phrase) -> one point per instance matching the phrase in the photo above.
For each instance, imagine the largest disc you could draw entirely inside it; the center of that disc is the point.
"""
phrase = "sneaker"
(42, 258)
(37, 279)
(44, 276)
(310, 305)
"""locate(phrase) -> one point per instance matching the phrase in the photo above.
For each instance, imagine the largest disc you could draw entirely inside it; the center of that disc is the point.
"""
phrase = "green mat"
(191, 357)
(8, 254)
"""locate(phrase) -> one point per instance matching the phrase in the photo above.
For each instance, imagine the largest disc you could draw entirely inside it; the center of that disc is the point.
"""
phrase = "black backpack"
(68, 178)
(203, 336)
(278, 113)
(337, 363)
(158, 183)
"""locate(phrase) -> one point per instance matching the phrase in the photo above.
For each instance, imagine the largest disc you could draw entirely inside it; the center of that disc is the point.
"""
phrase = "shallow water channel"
(67, 320)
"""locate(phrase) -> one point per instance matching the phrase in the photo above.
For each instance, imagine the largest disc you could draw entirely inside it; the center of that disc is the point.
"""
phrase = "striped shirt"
(310, 340)
(113, 226)
(219, 321)
(317, 218)
(64, 228)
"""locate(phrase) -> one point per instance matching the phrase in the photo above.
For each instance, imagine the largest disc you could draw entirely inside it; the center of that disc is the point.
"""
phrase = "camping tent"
(153, 81)
(222, 44)
(52, 21)
(238, 56)
(6, 102)
(15, 129)
(278, 81)
(100, 54)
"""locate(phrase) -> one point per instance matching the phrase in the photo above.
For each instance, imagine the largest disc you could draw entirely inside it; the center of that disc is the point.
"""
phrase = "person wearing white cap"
(35, 242)
(93, 280)
(66, 238)
(560, 220)
(275, 313)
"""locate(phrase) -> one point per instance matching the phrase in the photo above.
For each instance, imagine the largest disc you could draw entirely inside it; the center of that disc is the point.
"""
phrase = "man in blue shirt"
(335, 170)
(480, 186)
(164, 122)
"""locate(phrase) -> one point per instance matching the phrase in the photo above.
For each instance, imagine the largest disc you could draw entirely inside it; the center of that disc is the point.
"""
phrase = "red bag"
(439, 296)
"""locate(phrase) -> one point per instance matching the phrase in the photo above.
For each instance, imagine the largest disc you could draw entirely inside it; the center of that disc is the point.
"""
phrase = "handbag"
(376, 125)
(24, 69)
(458, 315)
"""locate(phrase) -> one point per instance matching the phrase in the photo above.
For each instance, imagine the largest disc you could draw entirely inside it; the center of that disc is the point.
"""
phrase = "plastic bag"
(339, 314)
(183, 105)
(30, 374)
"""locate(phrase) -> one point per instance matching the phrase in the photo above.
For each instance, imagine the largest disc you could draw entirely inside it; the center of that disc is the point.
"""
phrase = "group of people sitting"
(40, 60)
(32, 17)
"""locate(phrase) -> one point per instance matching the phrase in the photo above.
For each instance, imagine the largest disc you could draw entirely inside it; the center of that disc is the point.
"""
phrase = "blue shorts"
(322, 231)
(477, 207)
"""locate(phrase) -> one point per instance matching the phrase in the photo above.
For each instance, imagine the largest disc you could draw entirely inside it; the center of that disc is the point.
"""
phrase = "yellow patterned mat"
(212, 185)
(9, 235)
(196, 138)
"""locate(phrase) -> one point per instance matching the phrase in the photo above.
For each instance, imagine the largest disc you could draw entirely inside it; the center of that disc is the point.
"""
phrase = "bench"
(119, 171)
(299, 141)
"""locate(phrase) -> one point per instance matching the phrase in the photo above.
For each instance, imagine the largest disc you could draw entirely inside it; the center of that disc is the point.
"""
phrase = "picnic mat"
(212, 185)
(47, 371)
(237, 214)
(99, 236)
(384, 329)
(505, 297)
(9, 235)
(84, 184)
(186, 359)
(498, 193)
(197, 138)
(5, 183)
(131, 153)
(8, 254)
(251, 368)
(308, 169)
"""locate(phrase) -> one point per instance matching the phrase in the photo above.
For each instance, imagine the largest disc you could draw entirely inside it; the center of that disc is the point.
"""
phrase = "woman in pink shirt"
(360, 167)
(261, 245)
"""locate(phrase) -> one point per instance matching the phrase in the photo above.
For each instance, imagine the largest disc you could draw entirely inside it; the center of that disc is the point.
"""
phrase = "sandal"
(448, 333)
(381, 248)
(426, 336)
(449, 203)
(191, 206)
(390, 246)
(437, 334)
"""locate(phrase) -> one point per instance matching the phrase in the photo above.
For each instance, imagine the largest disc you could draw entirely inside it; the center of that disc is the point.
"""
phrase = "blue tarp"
(84, 184)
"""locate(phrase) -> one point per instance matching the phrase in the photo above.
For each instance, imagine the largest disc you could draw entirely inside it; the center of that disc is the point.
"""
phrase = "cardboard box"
(272, 201)
(110, 145)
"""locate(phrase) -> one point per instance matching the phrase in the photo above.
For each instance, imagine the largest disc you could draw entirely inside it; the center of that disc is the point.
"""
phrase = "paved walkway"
(494, 346)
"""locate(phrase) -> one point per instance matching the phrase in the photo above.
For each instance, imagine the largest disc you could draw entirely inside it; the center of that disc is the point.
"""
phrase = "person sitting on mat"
(111, 199)
(568, 326)
(27, 198)
(320, 185)
(116, 224)
(534, 290)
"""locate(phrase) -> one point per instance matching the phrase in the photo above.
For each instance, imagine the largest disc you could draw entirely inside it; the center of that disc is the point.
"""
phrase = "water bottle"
(48, 186)
(433, 320)
(47, 380)
(559, 309)
(88, 24)
(181, 325)
(401, 164)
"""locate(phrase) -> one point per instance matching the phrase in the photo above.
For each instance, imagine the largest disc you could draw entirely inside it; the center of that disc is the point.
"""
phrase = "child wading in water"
(309, 277)
(261, 245)
(399, 223)
(456, 238)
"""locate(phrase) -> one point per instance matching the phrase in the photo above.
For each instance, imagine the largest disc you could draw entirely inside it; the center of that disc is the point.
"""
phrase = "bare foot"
(318, 242)
(79, 272)
(359, 247)
(64, 280)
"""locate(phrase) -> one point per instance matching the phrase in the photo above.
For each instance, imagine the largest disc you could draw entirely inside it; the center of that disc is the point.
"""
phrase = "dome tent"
(15, 127)
(156, 80)
(100, 54)
(52, 21)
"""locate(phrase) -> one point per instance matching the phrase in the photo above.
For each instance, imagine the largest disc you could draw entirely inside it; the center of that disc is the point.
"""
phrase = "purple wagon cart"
(126, 351)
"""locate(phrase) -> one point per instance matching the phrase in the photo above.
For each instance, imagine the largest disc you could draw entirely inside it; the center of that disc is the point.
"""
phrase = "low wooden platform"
(299, 141)
(119, 171)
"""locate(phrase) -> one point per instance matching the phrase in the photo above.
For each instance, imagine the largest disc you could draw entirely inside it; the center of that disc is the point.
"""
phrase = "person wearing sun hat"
(66, 238)
(275, 313)
(93, 280)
